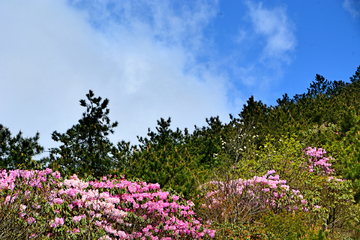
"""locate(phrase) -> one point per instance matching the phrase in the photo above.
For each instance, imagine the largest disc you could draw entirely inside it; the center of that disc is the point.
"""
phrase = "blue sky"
(188, 60)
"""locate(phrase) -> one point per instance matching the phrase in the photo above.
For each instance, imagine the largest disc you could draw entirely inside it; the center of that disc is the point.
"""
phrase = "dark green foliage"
(205, 143)
(326, 116)
(320, 105)
(162, 158)
(163, 137)
(321, 86)
(17, 152)
(349, 154)
(85, 148)
(254, 113)
(356, 77)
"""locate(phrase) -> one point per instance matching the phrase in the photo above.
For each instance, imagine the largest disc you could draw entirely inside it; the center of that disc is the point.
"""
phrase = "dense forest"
(310, 141)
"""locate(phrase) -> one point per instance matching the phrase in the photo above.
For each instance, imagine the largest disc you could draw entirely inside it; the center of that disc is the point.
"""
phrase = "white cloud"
(139, 55)
(276, 28)
(268, 45)
(353, 7)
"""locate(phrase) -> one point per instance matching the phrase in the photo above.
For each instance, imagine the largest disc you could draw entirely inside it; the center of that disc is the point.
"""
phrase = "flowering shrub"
(243, 200)
(311, 198)
(331, 196)
(318, 161)
(108, 209)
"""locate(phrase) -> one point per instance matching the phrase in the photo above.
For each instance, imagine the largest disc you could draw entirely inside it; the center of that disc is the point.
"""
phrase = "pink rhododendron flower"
(31, 220)
(94, 200)
(57, 222)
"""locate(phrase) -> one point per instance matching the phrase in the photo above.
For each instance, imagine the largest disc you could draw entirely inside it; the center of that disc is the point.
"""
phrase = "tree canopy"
(17, 151)
(85, 147)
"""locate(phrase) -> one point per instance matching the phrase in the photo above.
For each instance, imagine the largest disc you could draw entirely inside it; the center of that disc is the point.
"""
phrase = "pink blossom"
(57, 222)
(78, 218)
(110, 209)
(31, 220)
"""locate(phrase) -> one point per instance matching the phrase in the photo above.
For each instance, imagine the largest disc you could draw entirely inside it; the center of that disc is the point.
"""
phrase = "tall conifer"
(85, 148)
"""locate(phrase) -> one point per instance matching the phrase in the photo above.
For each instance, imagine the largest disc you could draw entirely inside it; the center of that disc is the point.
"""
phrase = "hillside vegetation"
(290, 171)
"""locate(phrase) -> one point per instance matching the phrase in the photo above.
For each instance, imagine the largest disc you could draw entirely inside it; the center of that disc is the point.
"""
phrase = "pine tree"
(17, 152)
(85, 148)
(162, 158)
(205, 143)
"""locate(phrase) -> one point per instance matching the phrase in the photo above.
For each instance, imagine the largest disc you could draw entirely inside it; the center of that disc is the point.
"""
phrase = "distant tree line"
(326, 116)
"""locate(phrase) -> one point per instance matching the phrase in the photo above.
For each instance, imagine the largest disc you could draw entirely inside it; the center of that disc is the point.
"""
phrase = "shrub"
(245, 200)
(327, 200)
(107, 208)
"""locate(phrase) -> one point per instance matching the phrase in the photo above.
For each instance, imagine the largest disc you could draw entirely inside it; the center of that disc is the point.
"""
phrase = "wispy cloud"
(274, 25)
(353, 7)
(139, 54)
(269, 46)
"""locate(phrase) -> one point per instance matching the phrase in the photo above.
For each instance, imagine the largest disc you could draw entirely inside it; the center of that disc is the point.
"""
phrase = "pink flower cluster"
(123, 209)
(57, 222)
(318, 162)
(255, 195)
(32, 178)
